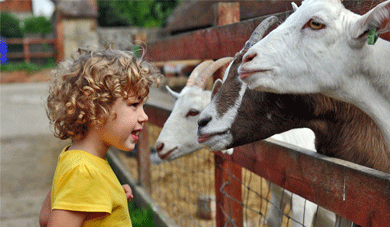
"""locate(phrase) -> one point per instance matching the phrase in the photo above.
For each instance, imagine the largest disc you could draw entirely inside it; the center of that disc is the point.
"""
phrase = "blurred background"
(37, 34)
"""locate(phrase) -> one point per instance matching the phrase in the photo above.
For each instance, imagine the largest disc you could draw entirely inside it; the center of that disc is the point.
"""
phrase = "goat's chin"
(181, 153)
(218, 142)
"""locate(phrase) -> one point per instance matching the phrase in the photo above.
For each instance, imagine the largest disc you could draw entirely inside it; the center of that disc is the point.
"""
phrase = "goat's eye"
(192, 112)
(315, 25)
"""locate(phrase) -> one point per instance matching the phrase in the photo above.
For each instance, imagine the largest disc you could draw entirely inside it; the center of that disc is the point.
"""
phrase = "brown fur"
(341, 129)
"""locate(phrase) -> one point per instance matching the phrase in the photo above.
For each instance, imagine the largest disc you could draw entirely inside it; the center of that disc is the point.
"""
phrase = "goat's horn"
(210, 70)
(195, 73)
(260, 30)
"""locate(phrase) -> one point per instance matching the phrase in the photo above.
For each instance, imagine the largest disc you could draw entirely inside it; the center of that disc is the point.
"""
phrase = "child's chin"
(127, 148)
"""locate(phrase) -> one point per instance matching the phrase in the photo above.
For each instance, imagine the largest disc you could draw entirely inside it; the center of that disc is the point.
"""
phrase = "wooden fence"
(360, 194)
(27, 54)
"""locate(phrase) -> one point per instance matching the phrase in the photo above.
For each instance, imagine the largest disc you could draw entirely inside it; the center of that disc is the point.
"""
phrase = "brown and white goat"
(238, 115)
(342, 130)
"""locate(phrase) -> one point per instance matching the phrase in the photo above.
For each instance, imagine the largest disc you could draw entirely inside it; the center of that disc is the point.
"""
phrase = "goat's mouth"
(247, 73)
(164, 156)
(205, 137)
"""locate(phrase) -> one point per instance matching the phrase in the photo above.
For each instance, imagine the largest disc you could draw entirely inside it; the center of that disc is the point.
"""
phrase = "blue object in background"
(3, 51)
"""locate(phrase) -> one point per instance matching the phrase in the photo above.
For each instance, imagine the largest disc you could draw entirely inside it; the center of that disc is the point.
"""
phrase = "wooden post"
(225, 185)
(226, 13)
(143, 160)
(26, 50)
(59, 32)
(228, 192)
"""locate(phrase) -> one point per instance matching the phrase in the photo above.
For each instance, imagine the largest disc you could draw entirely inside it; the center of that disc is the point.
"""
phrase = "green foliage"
(141, 217)
(37, 25)
(10, 26)
(146, 13)
(29, 67)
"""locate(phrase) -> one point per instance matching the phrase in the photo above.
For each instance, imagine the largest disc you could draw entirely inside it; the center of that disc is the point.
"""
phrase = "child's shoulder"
(76, 159)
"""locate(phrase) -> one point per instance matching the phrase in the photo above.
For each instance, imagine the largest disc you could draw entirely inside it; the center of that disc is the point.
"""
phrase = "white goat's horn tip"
(197, 71)
(211, 69)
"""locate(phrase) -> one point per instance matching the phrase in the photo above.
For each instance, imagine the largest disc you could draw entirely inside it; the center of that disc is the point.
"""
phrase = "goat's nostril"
(203, 122)
(160, 147)
(249, 57)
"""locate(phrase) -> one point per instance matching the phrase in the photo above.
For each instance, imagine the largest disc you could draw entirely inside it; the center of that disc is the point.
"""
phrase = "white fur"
(335, 60)
(180, 131)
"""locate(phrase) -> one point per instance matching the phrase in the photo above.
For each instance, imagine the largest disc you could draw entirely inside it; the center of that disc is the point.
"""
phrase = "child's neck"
(90, 144)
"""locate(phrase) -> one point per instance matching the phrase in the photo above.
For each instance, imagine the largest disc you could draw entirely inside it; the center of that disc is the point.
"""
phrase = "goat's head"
(238, 115)
(178, 136)
(315, 49)
(216, 121)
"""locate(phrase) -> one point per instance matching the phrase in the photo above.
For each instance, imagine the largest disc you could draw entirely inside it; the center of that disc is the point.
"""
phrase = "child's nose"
(143, 117)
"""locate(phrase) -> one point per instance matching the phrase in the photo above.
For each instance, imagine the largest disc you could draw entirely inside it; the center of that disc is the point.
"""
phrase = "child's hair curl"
(84, 89)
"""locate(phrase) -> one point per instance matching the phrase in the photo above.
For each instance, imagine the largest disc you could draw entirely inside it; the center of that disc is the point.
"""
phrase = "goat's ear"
(294, 6)
(173, 94)
(378, 18)
(217, 85)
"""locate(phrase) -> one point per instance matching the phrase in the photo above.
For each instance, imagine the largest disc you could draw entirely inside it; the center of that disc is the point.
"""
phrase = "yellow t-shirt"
(84, 182)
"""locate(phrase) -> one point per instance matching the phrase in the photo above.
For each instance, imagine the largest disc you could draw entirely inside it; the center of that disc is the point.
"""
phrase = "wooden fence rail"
(26, 54)
(358, 193)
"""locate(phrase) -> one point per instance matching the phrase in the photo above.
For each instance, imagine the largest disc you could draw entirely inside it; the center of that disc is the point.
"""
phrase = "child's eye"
(134, 104)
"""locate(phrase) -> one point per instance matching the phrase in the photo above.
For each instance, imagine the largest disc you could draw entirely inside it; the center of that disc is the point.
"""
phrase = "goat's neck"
(347, 133)
(369, 87)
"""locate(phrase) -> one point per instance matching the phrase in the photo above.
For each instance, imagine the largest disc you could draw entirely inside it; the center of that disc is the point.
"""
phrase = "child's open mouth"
(135, 134)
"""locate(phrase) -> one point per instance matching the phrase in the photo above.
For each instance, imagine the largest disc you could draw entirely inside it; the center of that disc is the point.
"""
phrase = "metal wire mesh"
(176, 187)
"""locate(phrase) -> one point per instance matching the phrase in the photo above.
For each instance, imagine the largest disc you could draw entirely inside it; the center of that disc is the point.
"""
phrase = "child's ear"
(174, 95)
(378, 18)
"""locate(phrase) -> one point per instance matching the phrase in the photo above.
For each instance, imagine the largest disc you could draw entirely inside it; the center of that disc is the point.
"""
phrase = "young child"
(97, 101)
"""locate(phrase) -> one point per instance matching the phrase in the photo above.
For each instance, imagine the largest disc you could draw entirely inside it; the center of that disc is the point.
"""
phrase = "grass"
(141, 217)
(27, 66)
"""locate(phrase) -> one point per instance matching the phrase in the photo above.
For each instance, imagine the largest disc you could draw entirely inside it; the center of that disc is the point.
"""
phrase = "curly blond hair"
(84, 89)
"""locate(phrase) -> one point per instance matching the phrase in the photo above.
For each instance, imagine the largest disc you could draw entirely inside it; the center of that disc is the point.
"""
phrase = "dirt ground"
(25, 77)
(27, 168)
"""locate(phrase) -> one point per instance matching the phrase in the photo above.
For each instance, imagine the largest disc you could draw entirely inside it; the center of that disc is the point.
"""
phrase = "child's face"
(124, 124)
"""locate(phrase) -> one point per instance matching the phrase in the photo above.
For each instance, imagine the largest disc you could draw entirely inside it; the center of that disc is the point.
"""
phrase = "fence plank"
(211, 43)
(358, 193)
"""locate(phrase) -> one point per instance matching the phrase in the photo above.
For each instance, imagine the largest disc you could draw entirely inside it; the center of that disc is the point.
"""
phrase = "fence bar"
(211, 43)
(30, 41)
(358, 193)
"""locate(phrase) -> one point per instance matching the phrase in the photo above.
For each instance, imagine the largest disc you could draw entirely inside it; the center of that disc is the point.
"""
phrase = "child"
(97, 101)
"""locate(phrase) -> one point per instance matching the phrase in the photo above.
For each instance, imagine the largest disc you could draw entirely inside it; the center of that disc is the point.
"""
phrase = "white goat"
(322, 47)
(178, 136)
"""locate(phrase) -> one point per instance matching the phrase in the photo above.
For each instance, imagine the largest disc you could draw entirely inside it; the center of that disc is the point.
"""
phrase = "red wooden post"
(228, 192)
(143, 160)
(226, 13)
(59, 31)
(227, 189)
(26, 50)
